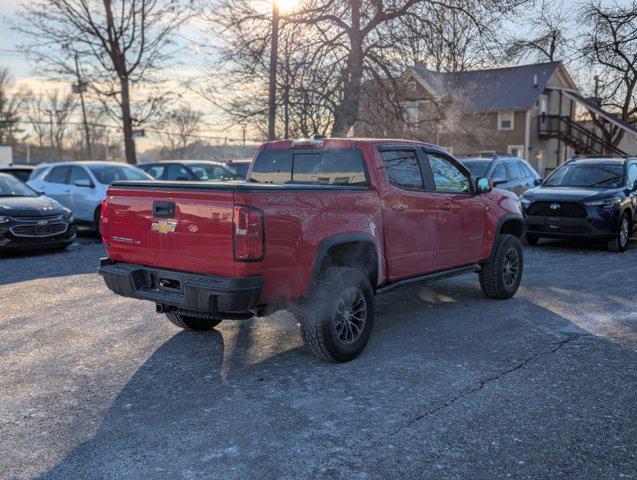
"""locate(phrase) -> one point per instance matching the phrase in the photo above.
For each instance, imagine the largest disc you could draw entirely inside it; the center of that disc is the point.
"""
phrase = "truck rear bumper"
(186, 291)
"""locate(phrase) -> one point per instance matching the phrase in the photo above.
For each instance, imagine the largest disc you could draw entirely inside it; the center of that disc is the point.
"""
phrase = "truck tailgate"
(186, 230)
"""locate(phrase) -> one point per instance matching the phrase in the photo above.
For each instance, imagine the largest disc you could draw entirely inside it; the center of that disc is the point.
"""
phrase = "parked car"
(240, 167)
(28, 220)
(509, 173)
(321, 227)
(190, 171)
(21, 172)
(81, 186)
(590, 198)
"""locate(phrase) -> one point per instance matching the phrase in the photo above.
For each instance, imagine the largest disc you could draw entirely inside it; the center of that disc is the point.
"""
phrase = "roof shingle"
(509, 88)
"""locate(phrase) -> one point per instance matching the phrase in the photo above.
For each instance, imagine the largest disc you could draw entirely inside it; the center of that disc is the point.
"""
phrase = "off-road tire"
(193, 323)
(320, 321)
(493, 274)
(618, 243)
(532, 239)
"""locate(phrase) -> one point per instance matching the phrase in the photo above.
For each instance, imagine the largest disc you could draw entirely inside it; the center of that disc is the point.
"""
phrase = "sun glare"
(287, 6)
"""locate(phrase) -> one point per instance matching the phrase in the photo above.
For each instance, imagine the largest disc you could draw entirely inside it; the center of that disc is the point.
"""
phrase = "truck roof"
(351, 142)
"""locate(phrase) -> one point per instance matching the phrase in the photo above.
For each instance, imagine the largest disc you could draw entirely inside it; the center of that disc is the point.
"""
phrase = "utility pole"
(81, 87)
(50, 114)
(274, 51)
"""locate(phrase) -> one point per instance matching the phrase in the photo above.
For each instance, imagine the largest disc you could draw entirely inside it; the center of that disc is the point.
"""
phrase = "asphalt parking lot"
(452, 385)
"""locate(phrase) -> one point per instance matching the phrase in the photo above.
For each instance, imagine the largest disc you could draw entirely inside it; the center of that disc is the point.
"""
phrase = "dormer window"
(505, 121)
(411, 86)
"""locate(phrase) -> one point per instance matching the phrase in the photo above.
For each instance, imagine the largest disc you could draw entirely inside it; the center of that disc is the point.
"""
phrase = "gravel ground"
(452, 385)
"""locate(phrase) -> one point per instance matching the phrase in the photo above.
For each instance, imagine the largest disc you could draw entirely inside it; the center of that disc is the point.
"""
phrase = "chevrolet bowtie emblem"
(163, 226)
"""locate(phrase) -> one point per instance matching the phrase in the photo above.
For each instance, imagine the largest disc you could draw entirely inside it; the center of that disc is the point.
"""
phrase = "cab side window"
(155, 171)
(77, 174)
(448, 178)
(57, 175)
(402, 169)
(177, 172)
(631, 178)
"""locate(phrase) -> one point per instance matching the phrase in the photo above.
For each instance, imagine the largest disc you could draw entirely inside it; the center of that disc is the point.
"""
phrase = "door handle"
(400, 207)
(67, 191)
(445, 206)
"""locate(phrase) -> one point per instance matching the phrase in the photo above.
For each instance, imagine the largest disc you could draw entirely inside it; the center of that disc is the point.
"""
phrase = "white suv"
(81, 186)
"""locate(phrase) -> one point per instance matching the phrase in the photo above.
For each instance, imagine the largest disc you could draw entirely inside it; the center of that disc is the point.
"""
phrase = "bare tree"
(363, 35)
(119, 44)
(49, 115)
(447, 39)
(610, 48)
(237, 79)
(345, 44)
(546, 38)
(9, 108)
(180, 125)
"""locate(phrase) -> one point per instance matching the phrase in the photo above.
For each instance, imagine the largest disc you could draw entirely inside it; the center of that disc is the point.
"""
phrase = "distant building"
(531, 111)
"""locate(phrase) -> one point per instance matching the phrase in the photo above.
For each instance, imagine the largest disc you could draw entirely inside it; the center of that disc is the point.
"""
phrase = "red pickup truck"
(320, 227)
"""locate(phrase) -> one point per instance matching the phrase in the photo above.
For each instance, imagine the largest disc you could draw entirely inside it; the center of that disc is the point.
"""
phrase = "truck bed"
(198, 236)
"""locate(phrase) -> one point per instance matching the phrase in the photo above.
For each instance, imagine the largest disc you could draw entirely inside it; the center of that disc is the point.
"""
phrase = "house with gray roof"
(530, 111)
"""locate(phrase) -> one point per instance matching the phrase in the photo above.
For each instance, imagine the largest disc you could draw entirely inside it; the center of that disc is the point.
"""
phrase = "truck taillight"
(248, 234)
(104, 221)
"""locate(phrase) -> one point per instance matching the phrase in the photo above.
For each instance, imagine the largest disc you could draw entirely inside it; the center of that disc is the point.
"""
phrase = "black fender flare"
(498, 228)
(339, 239)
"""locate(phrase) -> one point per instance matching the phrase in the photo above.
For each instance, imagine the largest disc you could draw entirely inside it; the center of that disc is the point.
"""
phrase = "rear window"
(343, 166)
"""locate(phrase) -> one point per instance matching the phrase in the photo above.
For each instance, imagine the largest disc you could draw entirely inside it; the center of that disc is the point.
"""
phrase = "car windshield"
(586, 176)
(11, 187)
(208, 172)
(107, 174)
(478, 168)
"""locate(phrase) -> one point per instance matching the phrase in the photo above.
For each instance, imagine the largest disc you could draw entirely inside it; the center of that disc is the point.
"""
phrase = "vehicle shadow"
(46, 263)
(576, 244)
(197, 408)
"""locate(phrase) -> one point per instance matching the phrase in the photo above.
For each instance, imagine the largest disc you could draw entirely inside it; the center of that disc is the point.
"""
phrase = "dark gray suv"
(509, 173)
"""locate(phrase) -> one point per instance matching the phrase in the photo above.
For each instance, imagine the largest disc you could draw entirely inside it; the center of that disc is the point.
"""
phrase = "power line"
(152, 130)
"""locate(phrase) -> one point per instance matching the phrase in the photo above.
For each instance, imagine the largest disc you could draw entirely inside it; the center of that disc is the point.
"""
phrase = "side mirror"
(84, 183)
(483, 184)
(498, 181)
(538, 181)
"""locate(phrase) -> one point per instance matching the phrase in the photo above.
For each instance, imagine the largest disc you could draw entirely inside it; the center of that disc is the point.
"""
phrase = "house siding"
(467, 133)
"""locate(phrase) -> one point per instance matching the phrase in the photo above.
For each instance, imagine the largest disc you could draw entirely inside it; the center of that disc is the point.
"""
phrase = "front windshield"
(107, 174)
(207, 172)
(586, 176)
(477, 168)
(11, 187)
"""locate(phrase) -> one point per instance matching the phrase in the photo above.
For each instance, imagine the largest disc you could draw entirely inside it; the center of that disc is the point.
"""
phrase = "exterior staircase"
(574, 134)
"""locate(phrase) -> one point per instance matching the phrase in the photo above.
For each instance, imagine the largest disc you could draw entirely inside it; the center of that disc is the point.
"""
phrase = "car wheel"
(338, 317)
(500, 278)
(198, 324)
(619, 242)
(532, 239)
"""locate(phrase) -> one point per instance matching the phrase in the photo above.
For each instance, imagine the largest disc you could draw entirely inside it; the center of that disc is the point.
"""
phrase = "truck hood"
(570, 194)
(30, 206)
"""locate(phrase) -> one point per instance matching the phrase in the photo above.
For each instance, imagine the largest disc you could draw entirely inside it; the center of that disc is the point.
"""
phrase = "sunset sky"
(27, 75)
